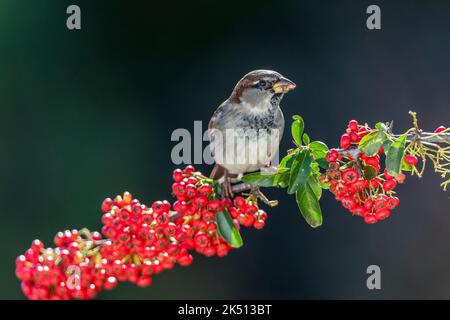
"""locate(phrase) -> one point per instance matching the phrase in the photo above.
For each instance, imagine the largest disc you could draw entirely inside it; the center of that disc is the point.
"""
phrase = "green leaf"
(228, 230)
(315, 167)
(387, 145)
(259, 179)
(395, 155)
(306, 138)
(406, 167)
(218, 188)
(309, 206)
(369, 173)
(286, 162)
(300, 171)
(297, 128)
(313, 182)
(319, 149)
(282, 179)
(372, 143)
(325, 185)
(381, 126)
(323, 163)
(283, 170)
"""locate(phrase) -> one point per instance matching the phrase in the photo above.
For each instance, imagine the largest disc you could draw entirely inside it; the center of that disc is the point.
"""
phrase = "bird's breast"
(247, 141)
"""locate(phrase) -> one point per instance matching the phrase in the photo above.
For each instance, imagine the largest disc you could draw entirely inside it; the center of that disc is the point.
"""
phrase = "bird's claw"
(227, 191)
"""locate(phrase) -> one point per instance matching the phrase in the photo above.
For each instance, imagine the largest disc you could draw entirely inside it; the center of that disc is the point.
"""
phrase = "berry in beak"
(283, 85)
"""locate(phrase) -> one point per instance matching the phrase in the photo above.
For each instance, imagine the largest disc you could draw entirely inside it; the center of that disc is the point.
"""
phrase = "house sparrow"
(246, 129)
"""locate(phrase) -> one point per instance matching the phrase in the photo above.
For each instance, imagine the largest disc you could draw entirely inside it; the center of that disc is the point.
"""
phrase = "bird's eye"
(262, 83)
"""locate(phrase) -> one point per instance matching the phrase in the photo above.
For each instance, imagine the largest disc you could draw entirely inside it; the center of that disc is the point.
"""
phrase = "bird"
(246, 129)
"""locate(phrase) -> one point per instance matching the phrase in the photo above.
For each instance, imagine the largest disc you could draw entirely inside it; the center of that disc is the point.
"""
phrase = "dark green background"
(88, 114)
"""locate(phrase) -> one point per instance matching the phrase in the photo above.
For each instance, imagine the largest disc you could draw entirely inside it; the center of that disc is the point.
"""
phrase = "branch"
(429, 137)
(242, 187)
(424, 137)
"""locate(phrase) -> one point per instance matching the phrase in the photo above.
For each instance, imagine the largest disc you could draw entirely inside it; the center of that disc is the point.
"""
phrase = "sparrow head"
(261, 86)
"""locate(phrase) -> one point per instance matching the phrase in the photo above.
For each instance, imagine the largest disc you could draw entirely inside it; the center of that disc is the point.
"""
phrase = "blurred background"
(87, 114)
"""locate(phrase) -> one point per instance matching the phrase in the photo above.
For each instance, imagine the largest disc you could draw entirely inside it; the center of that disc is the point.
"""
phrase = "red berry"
(191, 191)
(349, 203)
(387, 175)
(127, 198)
(185, 260)
(411, 160)
(370, 218)
(222, 250)
(177, 175)
(200, 201)
(144, 281)
(107, 205)
(332, 155)
(373, 161)
(360, 185)
(353, 125)
(389, 185)
(189, 169)
(234, 213)
(354, 137)
(368, 205)
(158, 207)
(251, 209)
(400, 178)
(440, 129)
(350, 176)
(37, 246)
(345, 141)
(382, 214)
(392, 203)
(210, 251)
(178, 188)
(375, 182)
(259, 224)
(110, 283)
(201, 239)
(359, 210)
(215, 205)
(180, 207)
(239, 202)
(206, 190)
(249, 221)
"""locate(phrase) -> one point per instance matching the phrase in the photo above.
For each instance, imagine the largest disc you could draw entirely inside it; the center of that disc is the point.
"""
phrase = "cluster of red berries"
(67, 271)
(373, 199)
(247, 214)
(198, 202)
(140, 241)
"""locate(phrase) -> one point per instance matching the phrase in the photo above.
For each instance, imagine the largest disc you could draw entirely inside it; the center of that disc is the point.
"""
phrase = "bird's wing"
(279, 123)
(219, 122)
(222, 115)
(217, 172)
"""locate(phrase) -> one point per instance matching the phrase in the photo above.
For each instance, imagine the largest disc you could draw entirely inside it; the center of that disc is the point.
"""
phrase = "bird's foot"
(227, 191)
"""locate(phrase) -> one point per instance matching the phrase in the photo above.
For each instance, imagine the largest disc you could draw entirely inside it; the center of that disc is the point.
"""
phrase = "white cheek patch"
(256, 104)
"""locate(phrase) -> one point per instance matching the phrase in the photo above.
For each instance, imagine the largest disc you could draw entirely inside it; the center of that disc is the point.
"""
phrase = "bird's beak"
(283, 85)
